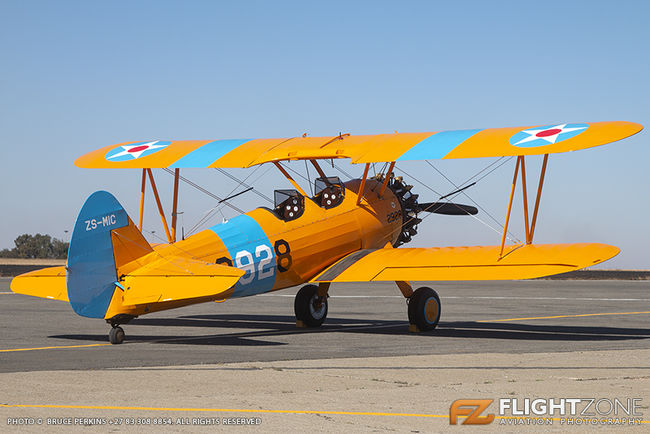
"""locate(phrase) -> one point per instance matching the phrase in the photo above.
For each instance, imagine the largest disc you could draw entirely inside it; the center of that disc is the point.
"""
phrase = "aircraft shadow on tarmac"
(249, 328)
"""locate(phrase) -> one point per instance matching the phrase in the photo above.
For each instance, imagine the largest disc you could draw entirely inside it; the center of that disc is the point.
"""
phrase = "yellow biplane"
(346, 232)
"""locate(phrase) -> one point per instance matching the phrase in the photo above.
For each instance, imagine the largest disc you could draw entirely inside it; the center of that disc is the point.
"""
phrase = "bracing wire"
(203, 190)
(154, 234)
(514, 239)
(206, 215)
(220, 207)
(295, 172)
(470, 198)
(480, 171)
(342, 171)
(217, 208)
(382, 170)
(260, 194)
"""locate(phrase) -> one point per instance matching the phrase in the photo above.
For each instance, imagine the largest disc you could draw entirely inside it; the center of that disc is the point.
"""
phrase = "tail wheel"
(424, 309)
(309, 307)
(116, 335)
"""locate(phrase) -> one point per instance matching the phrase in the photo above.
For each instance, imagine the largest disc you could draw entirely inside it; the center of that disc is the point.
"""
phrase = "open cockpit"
(289, 204)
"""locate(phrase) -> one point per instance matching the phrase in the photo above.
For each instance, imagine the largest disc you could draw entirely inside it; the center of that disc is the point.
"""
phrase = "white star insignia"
(136, 150)
(551, 138)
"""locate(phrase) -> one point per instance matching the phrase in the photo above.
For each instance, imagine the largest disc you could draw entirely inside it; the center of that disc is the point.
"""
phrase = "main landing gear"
(310, 305)
(424, 310)
(423, 307)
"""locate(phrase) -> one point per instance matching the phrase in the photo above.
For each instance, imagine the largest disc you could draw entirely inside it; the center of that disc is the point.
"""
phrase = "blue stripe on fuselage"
(250, 250)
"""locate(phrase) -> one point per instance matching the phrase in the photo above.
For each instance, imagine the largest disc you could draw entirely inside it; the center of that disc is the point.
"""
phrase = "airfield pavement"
(361, 372)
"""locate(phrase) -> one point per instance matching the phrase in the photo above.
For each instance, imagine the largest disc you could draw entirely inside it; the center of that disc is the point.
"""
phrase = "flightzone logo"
(472, 408)
(549, 411)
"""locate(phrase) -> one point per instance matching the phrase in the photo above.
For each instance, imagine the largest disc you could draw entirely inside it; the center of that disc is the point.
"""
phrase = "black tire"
(309, 307)
(424, 309)
(116, 335)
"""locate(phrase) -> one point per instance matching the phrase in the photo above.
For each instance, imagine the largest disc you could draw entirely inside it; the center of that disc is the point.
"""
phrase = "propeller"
(410, 207)
(447, 208)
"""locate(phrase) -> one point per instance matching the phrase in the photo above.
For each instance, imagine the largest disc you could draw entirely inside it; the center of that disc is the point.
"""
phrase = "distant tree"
(59, 248)
(37, 246)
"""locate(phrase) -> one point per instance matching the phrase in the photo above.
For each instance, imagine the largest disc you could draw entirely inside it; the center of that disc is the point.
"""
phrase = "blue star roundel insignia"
(546, 135)
(135, 150)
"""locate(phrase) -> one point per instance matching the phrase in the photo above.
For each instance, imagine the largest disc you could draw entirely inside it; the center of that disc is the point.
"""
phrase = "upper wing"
(465, 263)
(490, 142)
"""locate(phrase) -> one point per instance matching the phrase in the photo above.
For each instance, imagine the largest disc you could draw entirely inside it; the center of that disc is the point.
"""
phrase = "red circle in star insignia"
(547, 133)
(138, 148)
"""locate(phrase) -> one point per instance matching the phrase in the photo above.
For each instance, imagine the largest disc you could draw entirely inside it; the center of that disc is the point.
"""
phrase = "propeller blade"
(447, 208)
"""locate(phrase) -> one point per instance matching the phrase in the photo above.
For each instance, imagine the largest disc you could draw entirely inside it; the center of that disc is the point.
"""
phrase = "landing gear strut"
(310, 306)
(116, 335)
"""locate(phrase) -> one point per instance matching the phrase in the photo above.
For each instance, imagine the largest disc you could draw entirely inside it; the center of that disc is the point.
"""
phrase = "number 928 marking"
(244, 261)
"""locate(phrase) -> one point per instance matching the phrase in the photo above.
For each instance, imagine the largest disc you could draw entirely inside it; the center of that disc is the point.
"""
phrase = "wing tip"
(633, 127)
(46, 283)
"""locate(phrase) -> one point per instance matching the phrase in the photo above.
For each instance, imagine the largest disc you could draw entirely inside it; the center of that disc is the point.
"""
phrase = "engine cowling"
(408, 203)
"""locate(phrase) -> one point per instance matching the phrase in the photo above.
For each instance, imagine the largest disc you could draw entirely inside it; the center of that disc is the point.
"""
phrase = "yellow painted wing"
(177, 279)
(465, 263)
(45, 283)
(490, 142)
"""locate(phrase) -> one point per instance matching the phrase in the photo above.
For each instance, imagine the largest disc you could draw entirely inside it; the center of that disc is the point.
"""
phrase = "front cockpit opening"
(289, 204)
(329, 191)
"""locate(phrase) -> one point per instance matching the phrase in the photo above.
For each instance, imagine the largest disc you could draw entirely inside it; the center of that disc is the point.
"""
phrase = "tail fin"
(103, 240)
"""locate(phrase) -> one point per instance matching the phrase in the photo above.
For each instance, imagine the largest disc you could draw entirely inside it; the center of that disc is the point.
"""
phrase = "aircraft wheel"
(116, 335)
(309, 307)
(424, 309)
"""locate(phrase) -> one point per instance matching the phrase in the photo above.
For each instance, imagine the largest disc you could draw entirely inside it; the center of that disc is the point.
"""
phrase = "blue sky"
(78, 75)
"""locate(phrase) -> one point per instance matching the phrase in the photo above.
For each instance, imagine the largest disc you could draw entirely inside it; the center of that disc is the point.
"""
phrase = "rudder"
(104, 238)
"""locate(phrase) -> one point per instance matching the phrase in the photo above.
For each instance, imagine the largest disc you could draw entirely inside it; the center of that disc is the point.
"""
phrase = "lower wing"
(465, 263)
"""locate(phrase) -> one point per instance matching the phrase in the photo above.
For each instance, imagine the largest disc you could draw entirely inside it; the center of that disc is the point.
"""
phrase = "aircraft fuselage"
(277, 254)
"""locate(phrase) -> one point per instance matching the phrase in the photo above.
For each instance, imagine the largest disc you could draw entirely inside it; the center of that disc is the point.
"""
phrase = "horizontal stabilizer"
(44, 283)
(177, 279)
(162, 280)
(466, 263)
